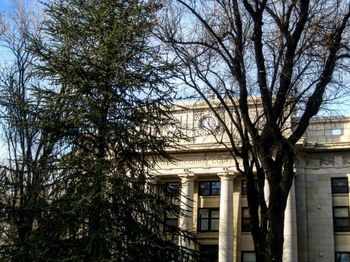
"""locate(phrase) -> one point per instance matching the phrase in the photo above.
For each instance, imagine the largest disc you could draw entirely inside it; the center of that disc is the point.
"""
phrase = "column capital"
(187, 175)
(227, 174)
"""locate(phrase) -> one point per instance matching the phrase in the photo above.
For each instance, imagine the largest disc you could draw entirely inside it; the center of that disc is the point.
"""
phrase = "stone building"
(317, 220)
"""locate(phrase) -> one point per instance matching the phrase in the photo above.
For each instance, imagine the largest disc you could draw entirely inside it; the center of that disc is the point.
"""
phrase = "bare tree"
(24, 179)
(265, 61)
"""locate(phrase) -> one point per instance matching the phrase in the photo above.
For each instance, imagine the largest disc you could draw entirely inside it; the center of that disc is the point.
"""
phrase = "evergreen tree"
(108, 102)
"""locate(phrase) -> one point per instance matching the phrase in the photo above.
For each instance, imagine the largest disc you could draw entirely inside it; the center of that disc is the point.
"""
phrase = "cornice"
(313, 146)
(199, 148)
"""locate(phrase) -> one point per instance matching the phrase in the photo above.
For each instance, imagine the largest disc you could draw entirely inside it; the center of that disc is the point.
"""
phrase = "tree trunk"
(258, 230)
(276, 236)
(259, 240)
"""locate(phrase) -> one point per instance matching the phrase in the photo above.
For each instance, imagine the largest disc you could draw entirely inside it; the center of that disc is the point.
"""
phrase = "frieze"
(327, 161)
(204, 161)
(312, 162)
(346, 160)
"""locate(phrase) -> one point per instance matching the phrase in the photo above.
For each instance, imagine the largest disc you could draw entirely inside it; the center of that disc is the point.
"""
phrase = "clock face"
(208, 123)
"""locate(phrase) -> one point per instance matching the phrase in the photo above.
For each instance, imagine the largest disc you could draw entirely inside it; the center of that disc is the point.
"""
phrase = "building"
(317, 223)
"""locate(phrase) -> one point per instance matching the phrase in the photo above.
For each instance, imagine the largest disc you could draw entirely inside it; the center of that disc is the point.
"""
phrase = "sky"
(5, 5)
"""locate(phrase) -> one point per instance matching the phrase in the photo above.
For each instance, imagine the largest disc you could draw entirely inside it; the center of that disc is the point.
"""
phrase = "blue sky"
(5, 5)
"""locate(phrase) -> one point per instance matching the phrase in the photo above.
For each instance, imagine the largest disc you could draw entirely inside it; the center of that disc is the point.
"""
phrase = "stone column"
(290, 245)
(186, 204)
(226, 218)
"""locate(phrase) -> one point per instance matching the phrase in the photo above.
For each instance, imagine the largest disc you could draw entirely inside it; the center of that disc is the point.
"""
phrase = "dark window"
(166, 255)
(244, 187)
(341, 219)
(209, 188)
(248, 256)
(170, 224)
(340, 185)
(246, 226)
(208, 219)
(209, 253)
(342, 256)
(172, 188)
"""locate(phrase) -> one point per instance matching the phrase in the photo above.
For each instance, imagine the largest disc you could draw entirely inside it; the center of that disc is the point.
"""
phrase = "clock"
(208, 123)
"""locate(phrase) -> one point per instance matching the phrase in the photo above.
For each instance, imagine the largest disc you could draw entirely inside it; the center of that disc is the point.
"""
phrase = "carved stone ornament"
(346, 160)
(206, 123)
(312, 162)
(327, 161)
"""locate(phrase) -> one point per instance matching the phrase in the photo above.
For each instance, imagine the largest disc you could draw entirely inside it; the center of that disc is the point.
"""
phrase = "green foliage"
(105, 107)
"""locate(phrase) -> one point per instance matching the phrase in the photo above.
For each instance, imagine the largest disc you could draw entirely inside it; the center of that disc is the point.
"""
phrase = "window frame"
(337, 189)
(168, 227)
(172, 193)
(244, 187)
(209, 219)
(211, 188)
(245, 219)
(346, 218)
(246, 252)
(212, 250)
(340, 253)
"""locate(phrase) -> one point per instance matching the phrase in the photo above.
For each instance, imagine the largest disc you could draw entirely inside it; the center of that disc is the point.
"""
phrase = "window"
(209, 188)
(170, 224)
(248, 256)
(342, 256)
(172, 188)
(244, 187)
(341, 219)
(340, 185)
(208, 219)
(209, 253)
(246, 226)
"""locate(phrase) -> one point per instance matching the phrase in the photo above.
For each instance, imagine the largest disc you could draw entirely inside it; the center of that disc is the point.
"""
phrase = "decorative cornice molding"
(187, 176)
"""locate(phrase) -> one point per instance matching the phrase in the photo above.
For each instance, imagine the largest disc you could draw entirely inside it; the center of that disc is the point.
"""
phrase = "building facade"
(317, 220)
